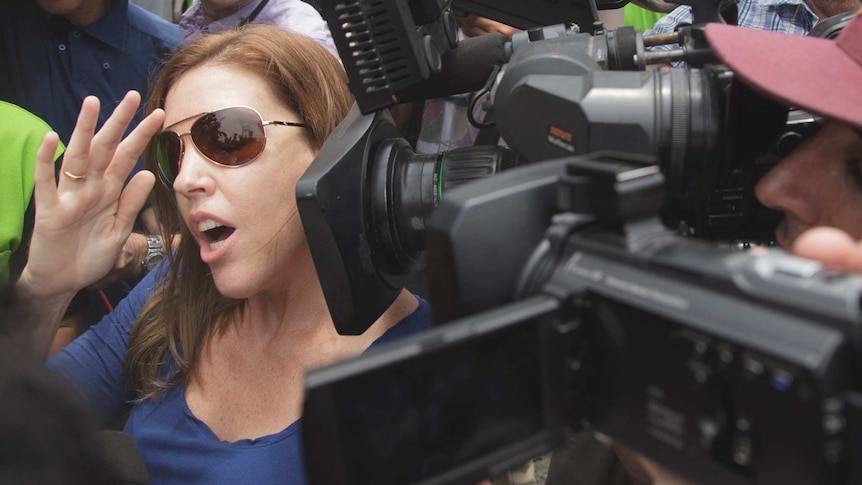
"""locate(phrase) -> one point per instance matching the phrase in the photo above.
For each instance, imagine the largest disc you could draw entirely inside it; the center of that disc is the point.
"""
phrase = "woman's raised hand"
(83, 220)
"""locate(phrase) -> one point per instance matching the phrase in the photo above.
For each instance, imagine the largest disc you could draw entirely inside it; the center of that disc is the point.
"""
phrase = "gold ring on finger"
(73, 176)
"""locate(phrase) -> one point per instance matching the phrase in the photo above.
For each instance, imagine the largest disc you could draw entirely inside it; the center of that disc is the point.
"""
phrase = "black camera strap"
(254, 13)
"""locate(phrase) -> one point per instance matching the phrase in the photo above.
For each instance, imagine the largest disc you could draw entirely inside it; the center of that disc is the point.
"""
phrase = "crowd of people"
(154, 163)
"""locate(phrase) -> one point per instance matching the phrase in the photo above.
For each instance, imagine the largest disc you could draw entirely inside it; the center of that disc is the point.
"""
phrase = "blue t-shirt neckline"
(415, 322)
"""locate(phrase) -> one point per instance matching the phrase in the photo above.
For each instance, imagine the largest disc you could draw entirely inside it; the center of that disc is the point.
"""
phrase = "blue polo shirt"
(48, 66)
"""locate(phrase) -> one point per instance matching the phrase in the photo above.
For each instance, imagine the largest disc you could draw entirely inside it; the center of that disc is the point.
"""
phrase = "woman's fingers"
(92, 156)
(131, 148)
(76, 161)
(132, 200)
(45, 189)
(105, 142)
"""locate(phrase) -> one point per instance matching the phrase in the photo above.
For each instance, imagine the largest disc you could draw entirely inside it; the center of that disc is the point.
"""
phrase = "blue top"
(176, 446)
(48, 66)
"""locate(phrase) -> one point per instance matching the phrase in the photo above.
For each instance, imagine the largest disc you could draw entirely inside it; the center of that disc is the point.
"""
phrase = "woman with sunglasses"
(208, 353)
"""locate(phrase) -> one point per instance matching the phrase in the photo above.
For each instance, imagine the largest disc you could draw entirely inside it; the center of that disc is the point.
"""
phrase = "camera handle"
(620, 193)
(615, 188)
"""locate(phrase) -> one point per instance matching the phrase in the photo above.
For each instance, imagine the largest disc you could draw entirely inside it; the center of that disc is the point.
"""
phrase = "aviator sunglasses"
(230, 137)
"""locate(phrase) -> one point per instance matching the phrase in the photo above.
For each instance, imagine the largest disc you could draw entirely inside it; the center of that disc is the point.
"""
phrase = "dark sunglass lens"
(230, 136)
(168, 153)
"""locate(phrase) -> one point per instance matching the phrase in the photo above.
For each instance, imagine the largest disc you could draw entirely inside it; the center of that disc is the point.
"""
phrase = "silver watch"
(155, 252)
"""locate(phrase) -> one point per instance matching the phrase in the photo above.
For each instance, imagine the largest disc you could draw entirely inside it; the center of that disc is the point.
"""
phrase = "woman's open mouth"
(214, 233)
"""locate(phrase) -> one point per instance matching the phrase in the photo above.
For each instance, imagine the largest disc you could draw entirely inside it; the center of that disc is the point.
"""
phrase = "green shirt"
(21, 133)
(640, 18)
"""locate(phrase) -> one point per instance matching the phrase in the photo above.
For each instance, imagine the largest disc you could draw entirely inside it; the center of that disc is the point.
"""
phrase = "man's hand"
(473, 25)
(150, 221)
(128, 264)
(645, 471)
(832, 247)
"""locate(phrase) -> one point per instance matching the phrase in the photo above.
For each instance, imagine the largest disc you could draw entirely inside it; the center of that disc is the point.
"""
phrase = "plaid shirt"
(788, 16)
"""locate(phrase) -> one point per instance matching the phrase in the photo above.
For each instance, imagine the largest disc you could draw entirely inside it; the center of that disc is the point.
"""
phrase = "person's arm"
(656, 5)
(130, 262)
(141, 252)
(613, 18)
(474, 25)
(83, 220)
(94, 362)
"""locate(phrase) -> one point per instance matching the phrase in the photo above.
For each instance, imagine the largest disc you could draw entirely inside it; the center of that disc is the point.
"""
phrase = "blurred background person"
(55, 53)
(45, 437)
(796, 17)
(217, 15)
(162, 8)
(21, 134)
(818, 185)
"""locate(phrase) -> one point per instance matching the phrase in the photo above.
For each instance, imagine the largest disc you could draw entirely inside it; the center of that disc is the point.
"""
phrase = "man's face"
(219, 9)
(828, 8)
(818, 184)
(225, 3)
(78, 12)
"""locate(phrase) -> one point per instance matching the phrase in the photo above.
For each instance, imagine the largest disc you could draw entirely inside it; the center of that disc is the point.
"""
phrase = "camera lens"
(688, 129)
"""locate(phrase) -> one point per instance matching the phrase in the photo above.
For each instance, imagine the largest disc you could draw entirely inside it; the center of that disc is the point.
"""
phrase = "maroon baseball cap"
(819, 75)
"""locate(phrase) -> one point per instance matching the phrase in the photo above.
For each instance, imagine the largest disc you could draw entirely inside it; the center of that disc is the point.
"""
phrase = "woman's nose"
(194, 172)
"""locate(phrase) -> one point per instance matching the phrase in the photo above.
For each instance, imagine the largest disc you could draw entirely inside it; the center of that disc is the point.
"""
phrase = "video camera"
(726, 367)
(595, 313)
(554, 92)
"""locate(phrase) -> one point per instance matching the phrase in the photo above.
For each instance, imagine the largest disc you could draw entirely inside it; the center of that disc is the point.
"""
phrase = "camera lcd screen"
(452, 406)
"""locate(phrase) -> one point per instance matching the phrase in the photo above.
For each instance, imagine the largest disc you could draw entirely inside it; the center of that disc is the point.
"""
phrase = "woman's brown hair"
(185, 308)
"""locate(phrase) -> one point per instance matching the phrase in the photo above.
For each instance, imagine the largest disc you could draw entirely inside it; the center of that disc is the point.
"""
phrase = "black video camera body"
(727, 367)
(566, 300)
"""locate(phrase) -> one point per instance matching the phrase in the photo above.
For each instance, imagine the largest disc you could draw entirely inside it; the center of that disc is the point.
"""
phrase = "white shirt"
(294, 15)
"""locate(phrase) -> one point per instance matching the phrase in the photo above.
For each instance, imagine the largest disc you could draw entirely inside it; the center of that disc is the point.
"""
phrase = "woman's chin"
(231, 287)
